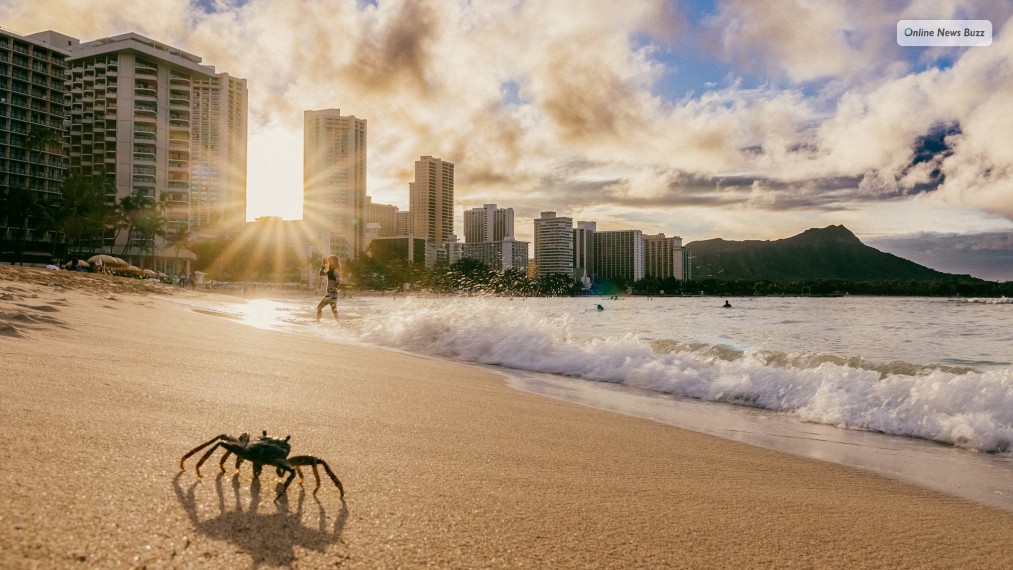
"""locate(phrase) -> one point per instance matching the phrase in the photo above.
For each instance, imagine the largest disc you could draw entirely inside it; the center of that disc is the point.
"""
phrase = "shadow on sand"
(268, 538)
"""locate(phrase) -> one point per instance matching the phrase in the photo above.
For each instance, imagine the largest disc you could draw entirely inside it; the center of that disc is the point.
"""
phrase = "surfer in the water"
(332, 269)
(727, 305)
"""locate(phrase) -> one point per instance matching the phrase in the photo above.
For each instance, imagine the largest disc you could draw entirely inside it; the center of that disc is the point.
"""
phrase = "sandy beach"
(106, 386)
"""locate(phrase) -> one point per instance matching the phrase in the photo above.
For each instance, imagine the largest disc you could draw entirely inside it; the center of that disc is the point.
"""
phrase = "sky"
(724, 118)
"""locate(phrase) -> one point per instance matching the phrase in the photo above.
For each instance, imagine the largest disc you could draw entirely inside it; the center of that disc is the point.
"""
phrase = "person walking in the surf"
(332, 269)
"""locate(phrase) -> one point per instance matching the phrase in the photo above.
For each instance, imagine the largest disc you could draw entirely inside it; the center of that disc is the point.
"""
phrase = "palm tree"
(182, 238)
(150, 222)
(126, 213)
(22, 204)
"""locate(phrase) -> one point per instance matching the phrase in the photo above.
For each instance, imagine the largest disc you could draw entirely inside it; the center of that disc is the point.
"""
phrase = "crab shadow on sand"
(268, 538)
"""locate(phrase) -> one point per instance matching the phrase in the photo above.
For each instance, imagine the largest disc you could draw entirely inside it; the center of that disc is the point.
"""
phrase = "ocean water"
(934, 369)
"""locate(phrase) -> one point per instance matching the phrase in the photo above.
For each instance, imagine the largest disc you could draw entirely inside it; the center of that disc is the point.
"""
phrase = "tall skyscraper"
(488, 223)
(432, 199)
(663, 256)
(31, 100)
(384, 215)
(218, 132)
(334, 179)
(583, 252)
(553, 244)
(131, 118)
(619, 255)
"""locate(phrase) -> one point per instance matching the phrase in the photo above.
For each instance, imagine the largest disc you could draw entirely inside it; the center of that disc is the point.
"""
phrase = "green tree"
(21, 205)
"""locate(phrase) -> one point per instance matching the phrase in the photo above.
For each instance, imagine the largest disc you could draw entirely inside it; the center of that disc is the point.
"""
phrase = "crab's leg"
(182, 467)
(314, 461)
(285, 466)
(224, 457)
(205, 457)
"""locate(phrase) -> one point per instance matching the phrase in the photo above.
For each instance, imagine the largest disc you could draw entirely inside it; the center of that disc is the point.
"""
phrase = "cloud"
(557, 103)
(984, 255)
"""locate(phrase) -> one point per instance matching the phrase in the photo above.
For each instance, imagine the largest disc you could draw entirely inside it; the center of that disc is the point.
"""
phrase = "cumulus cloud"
(559, 101)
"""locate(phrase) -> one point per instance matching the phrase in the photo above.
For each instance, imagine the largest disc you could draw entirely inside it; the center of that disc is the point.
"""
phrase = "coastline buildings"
(583, 253)
(405, 248)
(403, 225)
(500, 255)
(663, 257)
(619, 255)
(431, 200)
(384, 215)
(218, 133)
(454, 249)
(553, 244)
(488, 223)
(334, 180)
(131, 119)
(32, 91)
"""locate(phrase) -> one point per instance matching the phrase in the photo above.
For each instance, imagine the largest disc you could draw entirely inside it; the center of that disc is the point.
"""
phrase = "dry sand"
(442, 464)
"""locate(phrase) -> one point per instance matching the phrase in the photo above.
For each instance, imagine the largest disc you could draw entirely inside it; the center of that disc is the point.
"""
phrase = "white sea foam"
(991, 300)
(971, 409)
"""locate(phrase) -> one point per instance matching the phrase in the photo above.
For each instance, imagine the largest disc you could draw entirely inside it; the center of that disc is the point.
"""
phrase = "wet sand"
(443, 465)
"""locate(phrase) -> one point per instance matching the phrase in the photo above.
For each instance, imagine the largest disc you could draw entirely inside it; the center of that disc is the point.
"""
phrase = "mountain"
(832, 252)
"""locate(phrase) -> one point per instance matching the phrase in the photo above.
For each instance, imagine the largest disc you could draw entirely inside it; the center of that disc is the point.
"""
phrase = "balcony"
(145, 95)
(146, 71)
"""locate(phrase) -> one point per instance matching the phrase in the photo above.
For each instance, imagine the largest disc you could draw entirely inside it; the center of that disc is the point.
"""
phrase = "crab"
(264, 451)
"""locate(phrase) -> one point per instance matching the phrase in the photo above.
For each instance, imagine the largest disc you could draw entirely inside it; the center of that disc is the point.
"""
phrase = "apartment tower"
(218, 131)
(619, 256)
(488, 223)
(334, 179)
(384, 215)
(553, 244)
(663, 256)
(432, 199)
(131, 119)
(32, 94)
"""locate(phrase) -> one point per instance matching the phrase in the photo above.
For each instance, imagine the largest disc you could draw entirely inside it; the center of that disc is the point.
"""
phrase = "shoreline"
(442, 464)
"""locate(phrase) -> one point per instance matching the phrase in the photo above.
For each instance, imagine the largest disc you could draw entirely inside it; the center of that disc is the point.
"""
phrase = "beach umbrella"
(107, 260)
(150, 273)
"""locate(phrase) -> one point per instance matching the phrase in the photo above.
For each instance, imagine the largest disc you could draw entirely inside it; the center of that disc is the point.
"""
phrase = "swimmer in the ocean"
(727, 305)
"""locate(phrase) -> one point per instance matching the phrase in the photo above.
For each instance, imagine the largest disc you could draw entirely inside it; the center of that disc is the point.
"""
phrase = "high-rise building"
(500, 255)
(488, 223)
(334, 178)
(384, 215)
(583, 252)
(218, 133)
(403, 224)
(32, 94)
(687, 266)
(553, 244)
(663, 256)
(619, 255)
(131, 119)
(432, 199)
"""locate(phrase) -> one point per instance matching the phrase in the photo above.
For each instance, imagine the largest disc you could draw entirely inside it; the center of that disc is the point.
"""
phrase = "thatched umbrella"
(108, 260)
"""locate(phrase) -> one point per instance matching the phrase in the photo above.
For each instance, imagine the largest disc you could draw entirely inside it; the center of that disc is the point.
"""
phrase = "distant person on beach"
(332, 269)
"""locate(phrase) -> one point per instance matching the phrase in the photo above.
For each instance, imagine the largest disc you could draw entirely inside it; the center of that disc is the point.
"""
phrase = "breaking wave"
(961, 406)
(991, 300)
